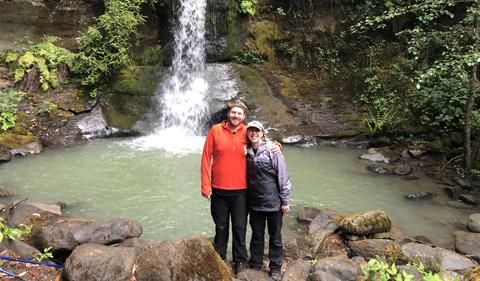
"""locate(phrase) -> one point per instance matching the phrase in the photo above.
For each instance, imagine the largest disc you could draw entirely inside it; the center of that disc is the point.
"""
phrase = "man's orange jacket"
(223, 159)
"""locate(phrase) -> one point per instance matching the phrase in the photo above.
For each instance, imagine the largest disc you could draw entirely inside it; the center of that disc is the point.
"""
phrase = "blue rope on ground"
(8, 273)
(30, 261)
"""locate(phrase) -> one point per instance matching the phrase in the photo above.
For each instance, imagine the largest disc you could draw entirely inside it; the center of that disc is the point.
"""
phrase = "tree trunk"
(469, 105)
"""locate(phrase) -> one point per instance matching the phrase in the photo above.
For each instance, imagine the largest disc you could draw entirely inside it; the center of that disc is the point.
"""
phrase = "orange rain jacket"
(224, 164)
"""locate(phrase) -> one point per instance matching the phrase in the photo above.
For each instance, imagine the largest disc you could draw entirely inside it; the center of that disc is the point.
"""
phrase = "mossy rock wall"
(129, 96)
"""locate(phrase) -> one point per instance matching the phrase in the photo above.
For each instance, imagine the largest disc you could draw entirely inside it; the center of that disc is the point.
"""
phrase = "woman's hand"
(285, 209)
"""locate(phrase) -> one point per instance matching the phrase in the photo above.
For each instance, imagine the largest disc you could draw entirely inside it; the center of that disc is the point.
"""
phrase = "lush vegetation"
(248, 7)
(42, 63)
(13, 233)
(9, 101)
(103, 48)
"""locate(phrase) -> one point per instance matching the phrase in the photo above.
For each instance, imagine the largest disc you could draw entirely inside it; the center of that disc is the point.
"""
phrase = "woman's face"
(254, 135)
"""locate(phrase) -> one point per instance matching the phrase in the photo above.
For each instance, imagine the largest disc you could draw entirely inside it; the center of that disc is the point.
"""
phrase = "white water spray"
(182, 97)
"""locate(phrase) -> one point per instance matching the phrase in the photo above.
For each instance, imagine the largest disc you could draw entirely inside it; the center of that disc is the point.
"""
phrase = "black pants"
(222, 208)
(275, 247)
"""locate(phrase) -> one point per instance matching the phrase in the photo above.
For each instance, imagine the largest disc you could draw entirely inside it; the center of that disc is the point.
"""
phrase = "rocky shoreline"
(333, 247)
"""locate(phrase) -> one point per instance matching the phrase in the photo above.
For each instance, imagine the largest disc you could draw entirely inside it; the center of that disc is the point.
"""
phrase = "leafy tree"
(103, 48)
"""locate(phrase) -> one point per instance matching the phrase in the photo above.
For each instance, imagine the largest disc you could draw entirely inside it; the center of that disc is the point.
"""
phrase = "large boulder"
(66, 233)
(341, 269)
(31, 213)
(95, 262)
(297, 270)
(307, 214)
(452, 261)
(468, 243)
(22, 249)
(188, 259)
(324, 224)
(138, 244)
(366, 223)
(332, 246)
(253, 275)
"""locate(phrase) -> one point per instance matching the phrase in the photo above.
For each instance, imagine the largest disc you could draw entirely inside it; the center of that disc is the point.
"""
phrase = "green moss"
(135, 80)
(233, 30)
(149, 55)
(249, 76)
(263, 33)
(12, 141)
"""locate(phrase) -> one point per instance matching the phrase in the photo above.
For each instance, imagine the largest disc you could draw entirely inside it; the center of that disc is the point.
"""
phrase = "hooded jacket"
(268, 182)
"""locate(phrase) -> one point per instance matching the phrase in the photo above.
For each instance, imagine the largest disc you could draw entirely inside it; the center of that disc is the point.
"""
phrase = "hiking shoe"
(276, 276)
(239, 266)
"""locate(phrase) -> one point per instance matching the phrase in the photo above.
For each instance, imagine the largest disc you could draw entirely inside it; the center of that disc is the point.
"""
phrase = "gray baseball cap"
(255, 124)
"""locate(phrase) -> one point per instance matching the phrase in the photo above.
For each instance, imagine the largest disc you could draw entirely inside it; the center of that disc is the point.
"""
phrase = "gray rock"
(138, 244)
(307, 214)
(468, 243)
(458, 205)
(332, 246)
(374, 155)
(30, 148)
(298, 248)
(94, 125)
(469, 199)
(426, 254)
(473, 223)
(343, 269)
(324, 224)
(5, 154)
(451, 261)
(297, 270)
(98, 262)
(422, 195)
(379, 169)
(65, 233)
(411, 270)
(371, 248)
(292, 139)
(417, 152)
(191, 258)
(453, 191)
(29, 212)
(465, 184)
(24, 250)
(402, 170)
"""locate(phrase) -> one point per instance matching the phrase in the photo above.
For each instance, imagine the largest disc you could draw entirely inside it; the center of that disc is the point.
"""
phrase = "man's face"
(236, 115)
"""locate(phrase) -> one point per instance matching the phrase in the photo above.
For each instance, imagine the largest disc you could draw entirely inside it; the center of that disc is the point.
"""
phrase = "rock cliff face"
(31, 19)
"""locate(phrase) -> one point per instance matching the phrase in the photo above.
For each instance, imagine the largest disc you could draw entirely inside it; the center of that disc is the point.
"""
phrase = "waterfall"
(182, 96)
(189, 91)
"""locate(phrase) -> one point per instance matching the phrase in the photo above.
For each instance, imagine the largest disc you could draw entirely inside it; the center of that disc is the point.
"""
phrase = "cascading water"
(183, 98)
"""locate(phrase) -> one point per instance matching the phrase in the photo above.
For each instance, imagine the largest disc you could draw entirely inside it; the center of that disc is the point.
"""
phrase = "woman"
(268, 192)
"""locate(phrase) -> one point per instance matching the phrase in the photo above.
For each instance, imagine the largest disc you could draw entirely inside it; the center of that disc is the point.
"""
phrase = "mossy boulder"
(11, 141)
(188, 259)
(129, 96)
(366, 223)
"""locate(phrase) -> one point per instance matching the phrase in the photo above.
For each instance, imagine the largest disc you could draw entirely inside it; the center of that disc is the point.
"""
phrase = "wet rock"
(453, 191)
(24, 250)
(455, 204)
(469, 199)
(405, 154)
(293, 139)
(31, 213)
(379, 169)
(63, 234)
(322, 276)
(5, 154)
(253, 275)
(324, 224)
(138, 244)
(30, 148)
(402, 170)
(465, 184)
(340, 268)
(416, 152)
(297, 270)
(473, 223)
(93, 125)
(452, 261)
(422, 195)
(307, 214)
(298, 248)
(98, 262)
(468, 243)
(374, 155)
(372, 248)
(332, 246)
(426, 254)
(366, 223)
(190, 258)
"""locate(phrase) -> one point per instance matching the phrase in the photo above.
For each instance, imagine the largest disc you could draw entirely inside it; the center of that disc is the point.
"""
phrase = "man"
(223, 171)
